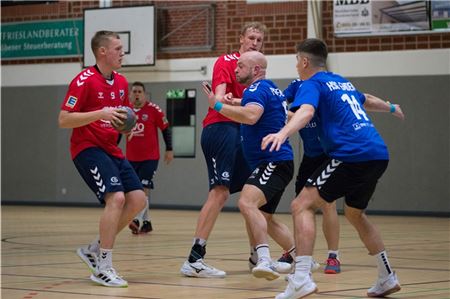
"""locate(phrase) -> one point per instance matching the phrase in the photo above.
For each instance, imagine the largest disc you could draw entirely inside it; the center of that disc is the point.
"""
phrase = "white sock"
(105, 259)
(199, 241)
(141, 216)
(94, 246)
(336, 252)
(302, 266)
(263, 252)
(384, 268)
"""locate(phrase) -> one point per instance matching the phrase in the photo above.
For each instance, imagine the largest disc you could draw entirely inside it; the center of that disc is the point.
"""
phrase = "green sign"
(176, 94)
(45, 39)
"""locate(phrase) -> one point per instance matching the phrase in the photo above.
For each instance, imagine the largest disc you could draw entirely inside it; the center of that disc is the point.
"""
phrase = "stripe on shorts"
(326, 173)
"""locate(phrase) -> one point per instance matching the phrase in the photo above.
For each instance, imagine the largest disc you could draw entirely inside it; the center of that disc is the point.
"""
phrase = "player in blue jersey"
(358, 158)
(263, 110)
(313, 157)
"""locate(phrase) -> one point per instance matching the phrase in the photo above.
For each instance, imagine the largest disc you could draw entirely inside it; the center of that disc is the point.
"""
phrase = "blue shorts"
(221, 145)
(104, 173)
(145, 171)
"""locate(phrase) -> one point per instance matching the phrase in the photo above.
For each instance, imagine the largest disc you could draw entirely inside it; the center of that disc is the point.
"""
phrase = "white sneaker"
(201, 269)
(89, 258)
(283, 267)
(295, 290)
(266, 269)
(109, 278)
(385, 287)
(314, 266)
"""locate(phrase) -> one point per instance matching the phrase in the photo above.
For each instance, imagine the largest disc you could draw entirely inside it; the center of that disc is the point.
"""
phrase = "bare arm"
(249, 114)
(298, 121)
(376, 104)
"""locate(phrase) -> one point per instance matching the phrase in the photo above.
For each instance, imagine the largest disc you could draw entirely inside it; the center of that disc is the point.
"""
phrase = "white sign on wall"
(136, 27)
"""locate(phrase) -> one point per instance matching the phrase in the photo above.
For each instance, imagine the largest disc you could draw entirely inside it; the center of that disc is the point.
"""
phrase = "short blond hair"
(254, 25)
(102, 39)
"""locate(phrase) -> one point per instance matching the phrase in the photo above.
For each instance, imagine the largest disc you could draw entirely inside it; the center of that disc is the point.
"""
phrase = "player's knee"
(244, 205)
(116, 200)
(296, 206)
(353, 215)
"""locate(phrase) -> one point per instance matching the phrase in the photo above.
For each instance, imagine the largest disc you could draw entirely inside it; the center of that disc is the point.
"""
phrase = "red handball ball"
(129, 122)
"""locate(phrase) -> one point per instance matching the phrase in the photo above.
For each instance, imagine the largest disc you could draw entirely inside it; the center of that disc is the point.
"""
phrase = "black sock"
(197, 252)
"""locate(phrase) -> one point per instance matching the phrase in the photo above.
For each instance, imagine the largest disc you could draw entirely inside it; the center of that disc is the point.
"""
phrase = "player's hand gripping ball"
(128, 123)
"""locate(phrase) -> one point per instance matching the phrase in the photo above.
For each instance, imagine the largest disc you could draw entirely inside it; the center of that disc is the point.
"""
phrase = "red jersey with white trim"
(90, 91)
(143, 144)
(223, 72)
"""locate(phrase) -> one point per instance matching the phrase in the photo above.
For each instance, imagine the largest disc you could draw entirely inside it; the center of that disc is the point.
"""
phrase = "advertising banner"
(379, 17)
(46, 39)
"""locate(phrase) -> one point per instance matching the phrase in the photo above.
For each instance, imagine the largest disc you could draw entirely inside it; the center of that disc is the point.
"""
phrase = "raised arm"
(376, 104)
(248, 114)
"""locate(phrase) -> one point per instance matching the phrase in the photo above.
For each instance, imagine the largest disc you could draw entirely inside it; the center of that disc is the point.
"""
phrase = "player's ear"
(101, 51)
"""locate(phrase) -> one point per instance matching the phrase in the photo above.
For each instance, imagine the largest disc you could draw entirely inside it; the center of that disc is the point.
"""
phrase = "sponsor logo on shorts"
(226, 176)
(115, 181)
(254, 173)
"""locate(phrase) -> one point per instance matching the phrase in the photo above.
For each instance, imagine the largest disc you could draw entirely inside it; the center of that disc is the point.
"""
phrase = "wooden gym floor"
(39, 261)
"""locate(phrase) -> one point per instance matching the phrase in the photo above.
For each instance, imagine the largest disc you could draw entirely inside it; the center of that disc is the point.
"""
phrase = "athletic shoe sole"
(396, 288)
(258, 273)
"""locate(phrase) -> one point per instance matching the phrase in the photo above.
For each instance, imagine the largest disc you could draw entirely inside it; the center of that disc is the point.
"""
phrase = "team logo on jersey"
(71, 101)
(121, 93)
(144, 117)
(253, 87)
(100, 95)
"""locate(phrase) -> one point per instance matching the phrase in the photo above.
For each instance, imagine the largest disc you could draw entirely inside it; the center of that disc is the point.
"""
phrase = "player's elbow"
(63, 120)
(252, 120)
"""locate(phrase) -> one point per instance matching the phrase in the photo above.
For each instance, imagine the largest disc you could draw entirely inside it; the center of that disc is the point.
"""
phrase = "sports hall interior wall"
(36, 165)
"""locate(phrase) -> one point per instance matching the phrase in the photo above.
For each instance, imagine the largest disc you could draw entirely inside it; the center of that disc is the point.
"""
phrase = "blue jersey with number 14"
(310, 138)
(265, 94)
(345, 131)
